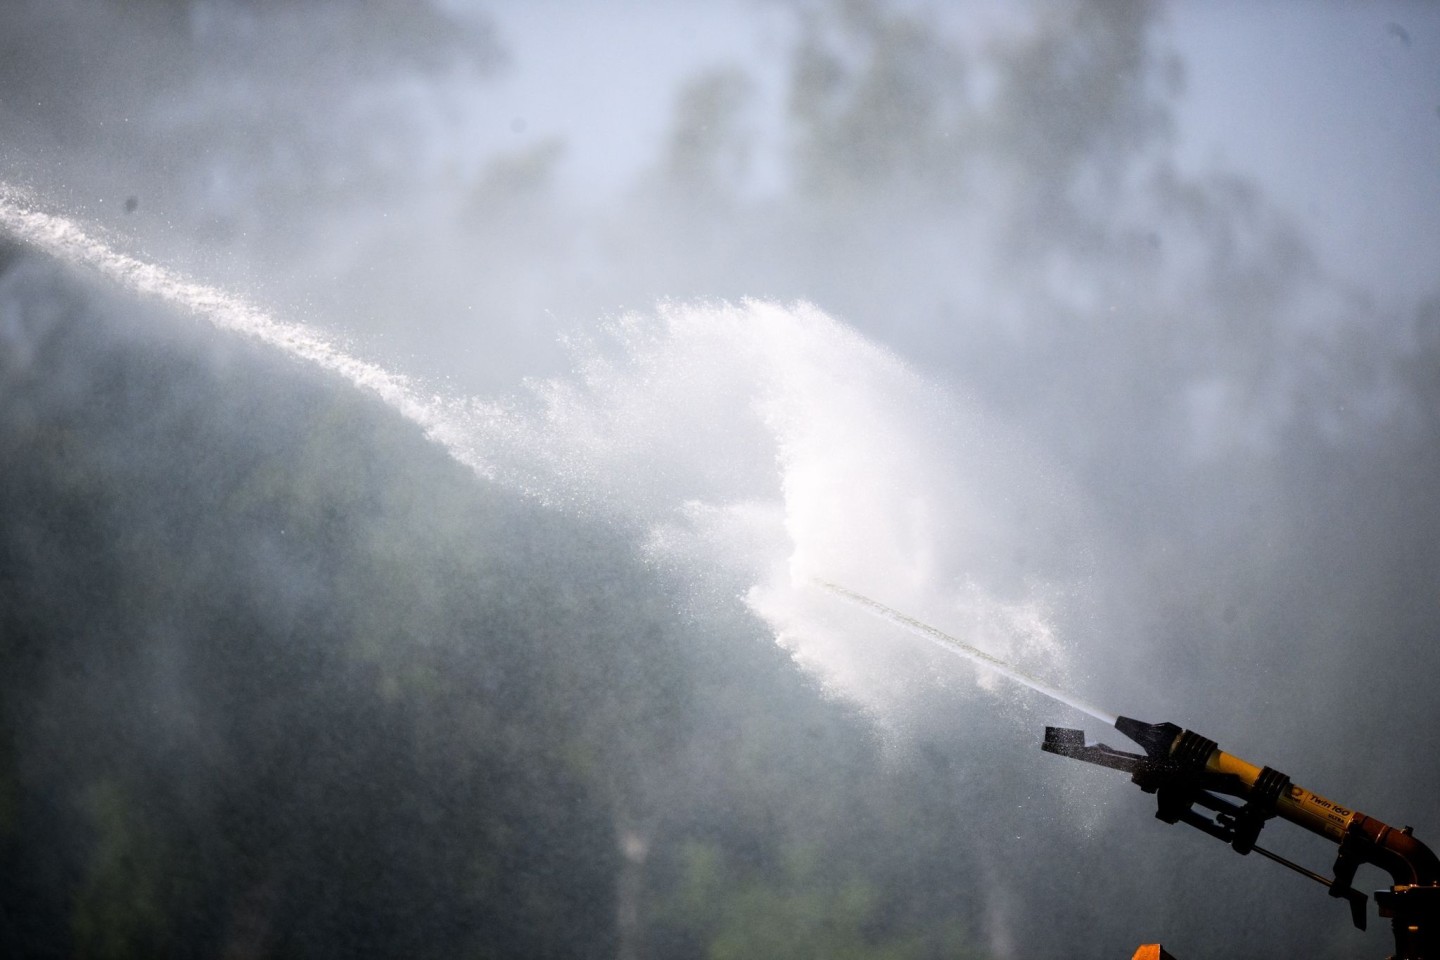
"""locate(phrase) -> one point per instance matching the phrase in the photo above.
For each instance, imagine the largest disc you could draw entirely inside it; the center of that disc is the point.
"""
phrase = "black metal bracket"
(1173, 768)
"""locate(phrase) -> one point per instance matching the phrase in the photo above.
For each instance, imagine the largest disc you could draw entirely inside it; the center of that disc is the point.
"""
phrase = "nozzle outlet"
(1155, 738)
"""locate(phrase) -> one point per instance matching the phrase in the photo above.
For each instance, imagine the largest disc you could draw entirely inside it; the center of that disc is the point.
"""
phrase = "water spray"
(972, 653)
(1181, 768)
(65, 240)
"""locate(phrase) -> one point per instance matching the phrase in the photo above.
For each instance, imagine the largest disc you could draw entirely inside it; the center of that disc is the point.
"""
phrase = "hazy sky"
(613, 100)
(1334, 108)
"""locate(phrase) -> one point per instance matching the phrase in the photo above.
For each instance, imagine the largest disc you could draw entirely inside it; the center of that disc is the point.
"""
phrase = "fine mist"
(417, 451)
(780, 446)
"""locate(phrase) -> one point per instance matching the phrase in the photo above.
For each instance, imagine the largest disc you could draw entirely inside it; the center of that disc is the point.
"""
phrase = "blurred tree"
(707, 158)
(286, 677)
(227, 120)
(878, 103)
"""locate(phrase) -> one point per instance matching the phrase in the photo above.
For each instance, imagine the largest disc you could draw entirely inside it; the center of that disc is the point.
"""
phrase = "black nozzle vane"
(1071, 743)
(1063, 741)
(1155, 738)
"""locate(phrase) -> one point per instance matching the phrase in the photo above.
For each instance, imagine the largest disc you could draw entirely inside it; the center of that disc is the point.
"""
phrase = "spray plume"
(822, 404)
(955, 645)
(65, 240)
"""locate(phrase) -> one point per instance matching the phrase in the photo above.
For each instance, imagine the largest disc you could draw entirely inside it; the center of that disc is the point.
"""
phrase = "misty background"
(1104, 335)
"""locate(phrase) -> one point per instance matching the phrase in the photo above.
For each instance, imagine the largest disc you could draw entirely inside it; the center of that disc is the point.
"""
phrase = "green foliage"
(808, 906)
(306, 678)
(315, 690)
(124, 905)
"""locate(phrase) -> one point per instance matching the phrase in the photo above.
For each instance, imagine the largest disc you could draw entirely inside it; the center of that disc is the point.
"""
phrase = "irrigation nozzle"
(1185, 770)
